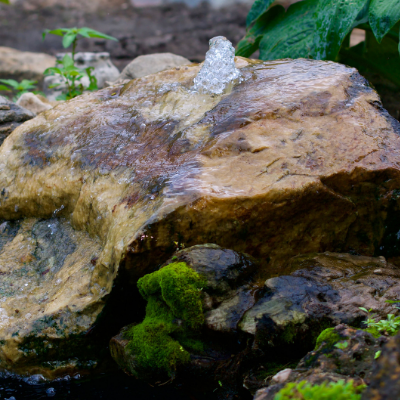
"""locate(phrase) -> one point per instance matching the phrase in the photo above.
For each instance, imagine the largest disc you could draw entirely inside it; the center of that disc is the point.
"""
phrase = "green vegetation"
(66, 69)
(320, 29)
(174, 314)
(389, 326)
(329, 336)
(331, 391)
(5, 1)
(19, 88)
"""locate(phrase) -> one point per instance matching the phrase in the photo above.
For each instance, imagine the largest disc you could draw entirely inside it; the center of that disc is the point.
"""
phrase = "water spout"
(219, 70)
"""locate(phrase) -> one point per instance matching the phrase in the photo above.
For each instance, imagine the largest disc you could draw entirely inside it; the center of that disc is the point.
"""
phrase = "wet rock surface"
(150, 166)
(324, 290)
(11, 116)
(46, 284)
(354, 360)
(384, 383)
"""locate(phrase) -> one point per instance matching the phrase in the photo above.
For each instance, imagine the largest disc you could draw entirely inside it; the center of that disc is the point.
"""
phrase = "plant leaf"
(87, 32)
(68, 39)
(67, 61)
(334, 20)
(257, 9)
(10, 82)
(5, 88)
(383, 15)
(249, 44)
(52, 70)
(374, 58)
(5, 1)
(293, 35)
(57, 32)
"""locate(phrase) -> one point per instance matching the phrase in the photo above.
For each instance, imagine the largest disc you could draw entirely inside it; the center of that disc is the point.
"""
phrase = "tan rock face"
(298, 158)
(20, 65)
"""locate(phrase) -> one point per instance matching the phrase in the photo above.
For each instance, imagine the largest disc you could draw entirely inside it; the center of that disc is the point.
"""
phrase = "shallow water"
(112, 386)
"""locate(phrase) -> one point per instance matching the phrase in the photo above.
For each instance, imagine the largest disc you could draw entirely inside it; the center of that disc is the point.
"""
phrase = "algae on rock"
(173, 314)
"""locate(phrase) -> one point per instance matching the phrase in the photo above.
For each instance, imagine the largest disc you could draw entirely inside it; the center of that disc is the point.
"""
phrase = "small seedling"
(377, 354)
(342, 345)
(390, 326)
(70, 73)
(19, 88)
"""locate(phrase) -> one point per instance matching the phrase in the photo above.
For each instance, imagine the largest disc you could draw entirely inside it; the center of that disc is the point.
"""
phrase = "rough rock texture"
(151, 64)
(34, 102)
(11, 116)
(18, 65)
(298, 158)
(327, 363)
(46, 270)
(324, 290)
(385, 380)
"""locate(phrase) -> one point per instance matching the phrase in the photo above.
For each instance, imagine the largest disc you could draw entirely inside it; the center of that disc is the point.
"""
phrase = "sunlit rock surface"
(299, 157)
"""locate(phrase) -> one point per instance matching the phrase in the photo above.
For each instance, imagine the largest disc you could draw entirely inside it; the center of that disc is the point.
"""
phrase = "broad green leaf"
(52, 70)
(67, 61)
(293, 35)
(383, 15)
(57, 32)
(87, 32)
(26, 84)
(249, 44)
(5, 88)
(10, 82)
(68, 39)
(258, 8)
(374, 58)
(334, 20)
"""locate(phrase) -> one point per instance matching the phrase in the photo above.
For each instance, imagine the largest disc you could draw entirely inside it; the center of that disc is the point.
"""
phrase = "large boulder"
(18, 65)
(299, 157)
(11, 116)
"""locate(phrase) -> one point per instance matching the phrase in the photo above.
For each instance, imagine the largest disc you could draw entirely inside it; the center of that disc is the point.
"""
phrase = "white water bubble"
(219, 69)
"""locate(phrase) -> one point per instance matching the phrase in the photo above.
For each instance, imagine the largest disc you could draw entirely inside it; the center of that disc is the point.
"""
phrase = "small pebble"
(51, 392)
(282, 376)
(378, 272)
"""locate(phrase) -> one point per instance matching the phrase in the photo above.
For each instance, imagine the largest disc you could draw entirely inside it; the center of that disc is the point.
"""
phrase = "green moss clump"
(332, 391)
(329, 336)
(174, 314)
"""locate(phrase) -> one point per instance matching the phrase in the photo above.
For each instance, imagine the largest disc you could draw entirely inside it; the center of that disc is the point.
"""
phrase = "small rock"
(34, 103)
(151, 64)
(378, 272)
(282, 376)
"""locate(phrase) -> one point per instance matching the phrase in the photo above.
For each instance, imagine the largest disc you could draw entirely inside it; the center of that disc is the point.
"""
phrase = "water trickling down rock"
(219, 70)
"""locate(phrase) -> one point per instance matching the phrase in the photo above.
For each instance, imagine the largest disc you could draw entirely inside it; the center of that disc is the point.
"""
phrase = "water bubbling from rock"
(219, 68)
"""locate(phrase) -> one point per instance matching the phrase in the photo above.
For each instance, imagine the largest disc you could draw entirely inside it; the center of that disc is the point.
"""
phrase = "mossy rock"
(174, 315)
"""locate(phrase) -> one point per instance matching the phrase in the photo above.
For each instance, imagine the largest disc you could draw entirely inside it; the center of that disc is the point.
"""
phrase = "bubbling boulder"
(298, 157)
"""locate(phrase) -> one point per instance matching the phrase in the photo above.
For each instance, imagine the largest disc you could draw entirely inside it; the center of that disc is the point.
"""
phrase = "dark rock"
(11, 116)
(354, 360)
(385, 380)
(322, 290)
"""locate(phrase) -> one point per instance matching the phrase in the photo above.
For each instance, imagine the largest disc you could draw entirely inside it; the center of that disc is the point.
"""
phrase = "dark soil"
(173, 28)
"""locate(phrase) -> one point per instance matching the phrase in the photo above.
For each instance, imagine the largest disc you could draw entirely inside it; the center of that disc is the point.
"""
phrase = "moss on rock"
(329, 336)
(174, 314)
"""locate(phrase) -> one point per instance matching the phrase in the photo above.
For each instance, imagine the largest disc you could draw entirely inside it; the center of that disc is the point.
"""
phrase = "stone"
(104, 70)
(384, 383)
(282, 376)
(11, 116)
(354, 360)
(19, 65)
(151, 64)
(46, 284)
(34, 102)
(297, 158)
(323, 290)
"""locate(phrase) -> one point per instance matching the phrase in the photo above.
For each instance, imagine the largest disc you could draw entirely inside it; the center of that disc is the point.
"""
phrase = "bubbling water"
(219, 70)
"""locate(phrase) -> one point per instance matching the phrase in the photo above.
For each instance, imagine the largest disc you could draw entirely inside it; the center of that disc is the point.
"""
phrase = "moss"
(329, 336)
(174, 314)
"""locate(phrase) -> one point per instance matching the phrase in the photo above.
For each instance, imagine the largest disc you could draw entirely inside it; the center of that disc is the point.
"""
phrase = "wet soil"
(172, 28)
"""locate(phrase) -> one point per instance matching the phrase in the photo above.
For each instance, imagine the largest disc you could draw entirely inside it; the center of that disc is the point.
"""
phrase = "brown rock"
(18, 65)
(298, 158)
(34, 102)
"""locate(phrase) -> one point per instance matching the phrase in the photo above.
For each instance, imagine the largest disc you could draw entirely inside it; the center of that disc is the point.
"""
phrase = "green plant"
(66, 69)
(19, 88)
(331, 391)
(5, 1)
(174, 314)
(390, 326)
(320, 29)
